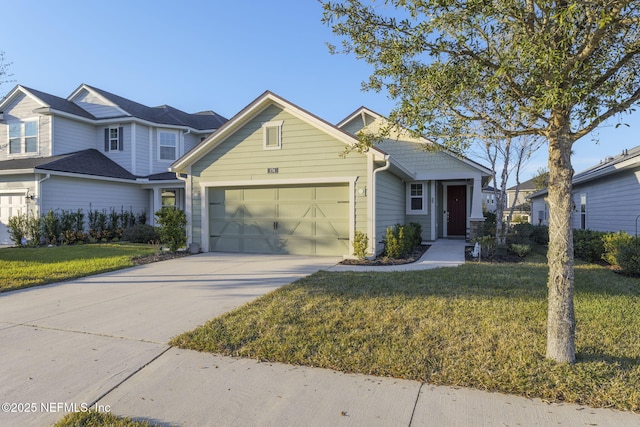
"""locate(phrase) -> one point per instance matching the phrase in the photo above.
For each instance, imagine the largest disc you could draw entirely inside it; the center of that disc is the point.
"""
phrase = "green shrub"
(360, 244)
(488, 246)
(588, 245)
(520, 233)
(612, 242)
(489, 224)
(141, 233)
(173, 228)
(25, 229)
(521, 250)
(51, 226)
(540, 235)
(402, 239)
(629, 257)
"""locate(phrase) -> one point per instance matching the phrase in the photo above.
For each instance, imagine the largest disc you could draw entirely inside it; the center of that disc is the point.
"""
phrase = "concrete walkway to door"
(441, 253)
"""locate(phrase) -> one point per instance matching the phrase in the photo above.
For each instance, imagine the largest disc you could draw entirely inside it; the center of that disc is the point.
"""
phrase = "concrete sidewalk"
(441, 253)
(102, 341)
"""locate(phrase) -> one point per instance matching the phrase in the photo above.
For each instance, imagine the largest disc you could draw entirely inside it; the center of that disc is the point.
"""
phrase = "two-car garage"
(286, 219)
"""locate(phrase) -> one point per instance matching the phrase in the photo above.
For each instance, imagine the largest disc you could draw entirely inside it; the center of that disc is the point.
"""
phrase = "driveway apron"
(65, 345)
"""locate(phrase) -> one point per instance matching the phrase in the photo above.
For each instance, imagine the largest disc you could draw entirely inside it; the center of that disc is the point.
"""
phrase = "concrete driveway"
(72, 342)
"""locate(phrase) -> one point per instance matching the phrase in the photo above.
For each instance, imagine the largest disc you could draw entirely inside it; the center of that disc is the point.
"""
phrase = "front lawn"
(24, 267)
(478, 325)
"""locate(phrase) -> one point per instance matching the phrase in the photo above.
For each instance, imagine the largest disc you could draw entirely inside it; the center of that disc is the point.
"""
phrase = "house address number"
(272, 170)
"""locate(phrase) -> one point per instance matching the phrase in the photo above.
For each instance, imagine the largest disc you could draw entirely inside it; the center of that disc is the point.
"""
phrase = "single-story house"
(606, 196)
(276, 179)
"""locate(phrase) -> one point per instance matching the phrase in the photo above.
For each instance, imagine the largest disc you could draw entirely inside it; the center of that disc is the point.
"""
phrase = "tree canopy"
(509, 68)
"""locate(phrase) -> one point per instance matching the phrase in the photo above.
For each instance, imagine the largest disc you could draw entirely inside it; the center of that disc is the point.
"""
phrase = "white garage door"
(10, 205)
(301, 220)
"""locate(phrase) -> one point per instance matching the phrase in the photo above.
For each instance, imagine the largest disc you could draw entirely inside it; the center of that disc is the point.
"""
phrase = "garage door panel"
(287, 219)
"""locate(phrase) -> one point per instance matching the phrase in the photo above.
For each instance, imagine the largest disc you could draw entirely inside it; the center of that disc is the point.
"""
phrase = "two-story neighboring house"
(522, 209)
(92, 151)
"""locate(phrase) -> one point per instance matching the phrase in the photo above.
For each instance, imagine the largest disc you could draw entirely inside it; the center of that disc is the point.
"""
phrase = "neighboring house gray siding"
(21, 109)
(143, 150)
(89, 194)
(122, 157)
(72, 136)
(613, 203)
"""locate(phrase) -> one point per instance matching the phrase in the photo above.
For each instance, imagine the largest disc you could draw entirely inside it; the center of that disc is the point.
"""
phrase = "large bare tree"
(557, 69)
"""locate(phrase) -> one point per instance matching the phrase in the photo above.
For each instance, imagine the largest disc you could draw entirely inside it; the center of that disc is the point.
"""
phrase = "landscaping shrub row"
(400, 240)
(68, 227)
(617, 249)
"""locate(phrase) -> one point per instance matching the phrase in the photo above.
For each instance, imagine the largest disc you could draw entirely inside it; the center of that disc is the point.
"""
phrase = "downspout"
(374, 238)
(46, 177)
(187, 206)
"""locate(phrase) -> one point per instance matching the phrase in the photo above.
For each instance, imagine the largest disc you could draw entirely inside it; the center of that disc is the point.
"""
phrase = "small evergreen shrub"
(360, 244)
(629, 257)
(612, 243)
(173, 228)
(588, 245)
(140, 233)
(51, 227)
(540, 235)
(17, 229)
(488, 246)
(520, 233)
(521, 250)
(402, 239)
(392, 247)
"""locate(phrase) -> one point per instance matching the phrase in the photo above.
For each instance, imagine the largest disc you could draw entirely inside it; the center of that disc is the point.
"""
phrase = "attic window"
(272, 135)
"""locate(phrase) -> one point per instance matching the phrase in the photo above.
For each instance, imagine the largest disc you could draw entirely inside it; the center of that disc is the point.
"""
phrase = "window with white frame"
(416, 198)
(272, 135)
(583, 211)
(168, 145)
(113, 139)
(23, 137)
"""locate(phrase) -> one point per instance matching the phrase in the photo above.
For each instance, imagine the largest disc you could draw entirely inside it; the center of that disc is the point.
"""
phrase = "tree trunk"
(561, 318)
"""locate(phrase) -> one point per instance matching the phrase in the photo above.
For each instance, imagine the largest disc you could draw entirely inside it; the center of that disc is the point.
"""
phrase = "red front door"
(457, 210)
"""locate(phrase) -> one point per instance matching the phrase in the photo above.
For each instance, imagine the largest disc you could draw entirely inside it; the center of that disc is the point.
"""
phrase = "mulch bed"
(383, 260)
(162, 256)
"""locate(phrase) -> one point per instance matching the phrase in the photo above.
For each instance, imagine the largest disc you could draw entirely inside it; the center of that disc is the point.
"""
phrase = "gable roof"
(163, 114)
(254, 108)
(392, 149)
(48, 100)
(528, 185)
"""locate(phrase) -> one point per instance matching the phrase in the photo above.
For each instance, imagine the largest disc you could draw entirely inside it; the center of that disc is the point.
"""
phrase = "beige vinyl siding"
(390, 205)
(307, 153)
(72, 136)
(21, 109)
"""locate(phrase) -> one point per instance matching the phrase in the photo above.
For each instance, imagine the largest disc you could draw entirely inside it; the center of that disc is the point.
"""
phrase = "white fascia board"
(14, 93)
(85, 176)
(445, 176)
(357, 113)
(17, 171)
(272, 182)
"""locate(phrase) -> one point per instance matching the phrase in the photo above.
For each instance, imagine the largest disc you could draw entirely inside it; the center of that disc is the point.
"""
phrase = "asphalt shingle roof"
(85, 162)
(60, 104)
(165, 114)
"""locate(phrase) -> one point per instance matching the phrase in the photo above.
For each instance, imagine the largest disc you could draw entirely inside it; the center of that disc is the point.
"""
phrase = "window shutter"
(106, 140)
(121, 138)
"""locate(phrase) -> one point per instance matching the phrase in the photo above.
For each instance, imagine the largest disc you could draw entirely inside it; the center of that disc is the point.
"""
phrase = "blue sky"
(211, 55)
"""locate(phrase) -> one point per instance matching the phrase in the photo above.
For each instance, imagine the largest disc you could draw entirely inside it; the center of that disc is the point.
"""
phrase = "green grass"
(98, 419)
(25, 267)
(478, 325)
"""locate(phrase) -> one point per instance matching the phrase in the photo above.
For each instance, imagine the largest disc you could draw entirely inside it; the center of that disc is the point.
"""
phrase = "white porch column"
(476, 201)
(156, 204)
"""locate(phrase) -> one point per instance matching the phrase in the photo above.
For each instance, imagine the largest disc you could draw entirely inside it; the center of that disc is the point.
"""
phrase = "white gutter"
(387, 165)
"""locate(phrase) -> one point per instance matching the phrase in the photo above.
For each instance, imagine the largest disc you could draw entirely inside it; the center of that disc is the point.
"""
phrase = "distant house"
(489, 200)
(92, 150)
(522, 209)
(275, 179)
(606, 196)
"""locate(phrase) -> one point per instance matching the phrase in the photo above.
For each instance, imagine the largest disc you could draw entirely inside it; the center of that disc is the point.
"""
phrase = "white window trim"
(117, 139)
(422, 211)
(265, 127)
(177, 136)
(580, 213)
(23, 143)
